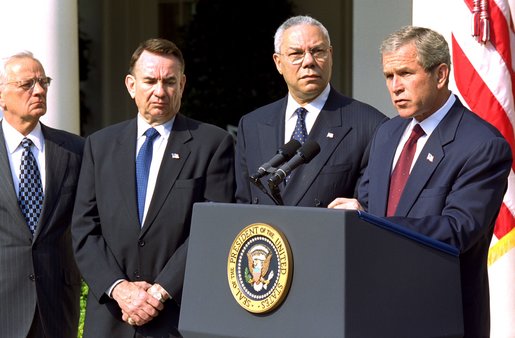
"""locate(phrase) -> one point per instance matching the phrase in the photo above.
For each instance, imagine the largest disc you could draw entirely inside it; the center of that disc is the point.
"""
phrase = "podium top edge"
(431, 242)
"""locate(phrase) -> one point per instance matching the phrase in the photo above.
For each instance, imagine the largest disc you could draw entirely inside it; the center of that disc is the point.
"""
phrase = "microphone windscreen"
(310, 149)
(289, 149)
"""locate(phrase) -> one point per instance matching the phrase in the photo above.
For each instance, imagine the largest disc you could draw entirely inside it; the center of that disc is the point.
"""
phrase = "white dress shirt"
(158, 151)
(428, 125)
(313, 108)
(13, 139)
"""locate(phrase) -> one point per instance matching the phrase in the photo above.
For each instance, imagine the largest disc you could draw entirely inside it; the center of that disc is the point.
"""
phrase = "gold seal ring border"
(284, 279)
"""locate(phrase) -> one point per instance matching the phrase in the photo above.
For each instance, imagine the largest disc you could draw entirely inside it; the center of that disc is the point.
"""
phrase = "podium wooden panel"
(351, 278)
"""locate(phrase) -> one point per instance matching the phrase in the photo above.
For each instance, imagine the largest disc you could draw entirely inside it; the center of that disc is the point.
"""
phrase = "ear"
(183, 83)
(278, 63)
(2, 101)
(130, 83)
(442, 75)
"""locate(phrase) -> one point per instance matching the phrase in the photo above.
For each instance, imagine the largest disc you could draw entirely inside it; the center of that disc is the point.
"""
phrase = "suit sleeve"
(96, 262)
(243, 193)
(219, 187)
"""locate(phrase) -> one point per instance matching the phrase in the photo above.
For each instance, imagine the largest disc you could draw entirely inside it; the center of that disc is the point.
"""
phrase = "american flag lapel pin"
(330, 135)
(175, 156)
(430, 157)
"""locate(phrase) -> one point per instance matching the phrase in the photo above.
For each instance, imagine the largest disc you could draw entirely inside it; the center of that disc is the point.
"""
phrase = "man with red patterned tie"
(452, 187)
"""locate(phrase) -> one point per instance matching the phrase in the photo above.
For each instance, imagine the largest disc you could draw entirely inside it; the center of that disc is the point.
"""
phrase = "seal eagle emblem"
(259, 268)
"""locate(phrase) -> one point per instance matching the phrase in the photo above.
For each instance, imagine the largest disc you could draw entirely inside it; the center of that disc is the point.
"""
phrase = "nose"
(38, 88)
(396, 84)
(308, 59)
(159, 89)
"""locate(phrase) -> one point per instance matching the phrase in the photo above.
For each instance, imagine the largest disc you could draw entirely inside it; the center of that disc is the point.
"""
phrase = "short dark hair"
(157, 46)
(432, 49)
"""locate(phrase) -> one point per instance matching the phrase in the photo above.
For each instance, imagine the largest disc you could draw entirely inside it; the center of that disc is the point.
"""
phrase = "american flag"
(483, 54)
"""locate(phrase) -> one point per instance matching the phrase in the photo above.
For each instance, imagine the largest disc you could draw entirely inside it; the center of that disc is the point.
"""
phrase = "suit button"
(317, 202)
(32, 277)
(136, 274)
(256, 200)
(141, 243)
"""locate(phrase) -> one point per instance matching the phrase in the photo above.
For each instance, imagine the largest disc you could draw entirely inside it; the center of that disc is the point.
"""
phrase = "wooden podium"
(353, 276)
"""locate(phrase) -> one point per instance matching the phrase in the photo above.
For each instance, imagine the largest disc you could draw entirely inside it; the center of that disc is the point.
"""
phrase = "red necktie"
(402, 170)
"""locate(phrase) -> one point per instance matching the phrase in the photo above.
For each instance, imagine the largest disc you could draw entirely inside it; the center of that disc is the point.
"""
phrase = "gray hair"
(432, 49)
(295, 21)
(5, 61)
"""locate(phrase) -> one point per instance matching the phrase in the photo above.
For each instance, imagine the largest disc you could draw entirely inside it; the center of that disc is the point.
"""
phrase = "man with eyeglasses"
(39, 168)
(341, 125)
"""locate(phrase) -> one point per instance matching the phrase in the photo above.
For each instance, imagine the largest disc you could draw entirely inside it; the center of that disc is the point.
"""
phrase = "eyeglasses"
(297, 57)
(27, 85)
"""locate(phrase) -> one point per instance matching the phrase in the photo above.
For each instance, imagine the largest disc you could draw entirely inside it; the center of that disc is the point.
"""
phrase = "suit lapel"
(124, 164)
(8, 197)
(176, 154)
(270, 136)
(328, 132)
(387, 147)
(430, 157)
(56, 165)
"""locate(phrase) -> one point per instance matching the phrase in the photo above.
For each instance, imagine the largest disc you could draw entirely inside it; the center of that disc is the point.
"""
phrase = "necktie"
(30, 197)
(143, 161)
(300, 133)
(401, 171)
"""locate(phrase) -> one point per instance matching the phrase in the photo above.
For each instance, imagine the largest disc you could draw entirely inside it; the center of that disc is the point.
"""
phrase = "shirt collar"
(314, 106)
(431, 122)
(164, 129)
(13, 137)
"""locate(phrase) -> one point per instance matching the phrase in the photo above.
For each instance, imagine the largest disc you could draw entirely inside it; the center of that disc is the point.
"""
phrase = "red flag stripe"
(499, 33)
(504, 223)
(472, 86)
(499, 29)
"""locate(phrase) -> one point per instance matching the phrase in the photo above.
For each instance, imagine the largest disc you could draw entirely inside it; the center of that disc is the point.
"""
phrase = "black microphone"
(306, 153)
(284, 153)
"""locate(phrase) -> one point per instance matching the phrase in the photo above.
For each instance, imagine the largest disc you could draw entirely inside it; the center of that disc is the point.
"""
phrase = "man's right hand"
(138, 306)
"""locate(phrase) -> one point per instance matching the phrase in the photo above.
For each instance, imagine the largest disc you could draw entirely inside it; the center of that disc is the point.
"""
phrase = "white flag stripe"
(491, 75)
(505, 9)
(490, 71)
(509, 202)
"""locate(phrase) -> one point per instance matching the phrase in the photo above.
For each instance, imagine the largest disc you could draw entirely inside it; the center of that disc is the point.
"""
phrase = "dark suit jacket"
(453, 194)
(343, 130)
(108, 240)
(41, 269)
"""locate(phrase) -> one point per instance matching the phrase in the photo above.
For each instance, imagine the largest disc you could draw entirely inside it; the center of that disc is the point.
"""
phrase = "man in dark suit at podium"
(343, 127)
(459, 164)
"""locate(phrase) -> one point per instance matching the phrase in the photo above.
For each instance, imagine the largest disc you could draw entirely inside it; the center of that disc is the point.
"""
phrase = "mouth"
(310, 77)
(159, 105)
(39, 104)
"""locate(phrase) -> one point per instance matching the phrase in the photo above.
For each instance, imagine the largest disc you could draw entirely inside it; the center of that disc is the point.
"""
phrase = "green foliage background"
(83, 297)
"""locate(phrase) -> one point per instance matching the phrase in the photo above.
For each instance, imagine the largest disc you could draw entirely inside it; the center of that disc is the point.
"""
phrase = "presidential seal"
(259, 268)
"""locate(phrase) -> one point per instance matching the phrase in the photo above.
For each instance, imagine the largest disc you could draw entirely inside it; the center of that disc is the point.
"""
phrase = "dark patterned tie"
(143, 161)
(300, 133)
(30, 197)
(402, 169)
